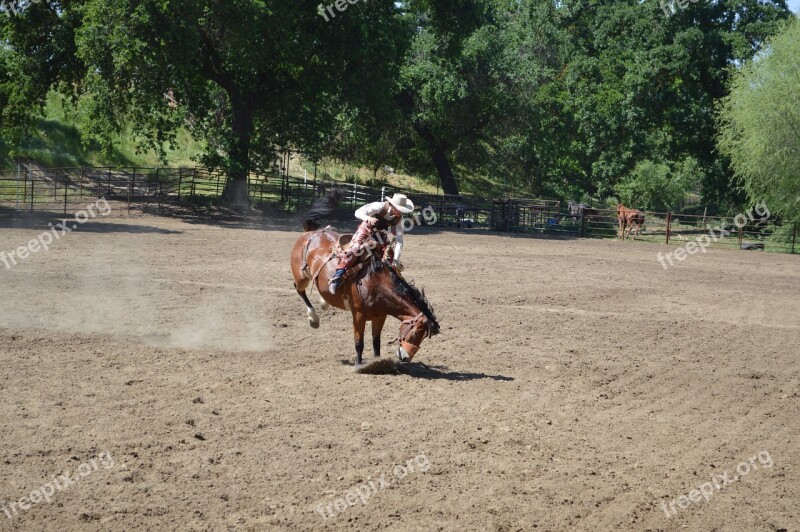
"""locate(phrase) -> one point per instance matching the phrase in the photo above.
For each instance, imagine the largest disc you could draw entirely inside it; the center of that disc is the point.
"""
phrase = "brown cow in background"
(630, 219)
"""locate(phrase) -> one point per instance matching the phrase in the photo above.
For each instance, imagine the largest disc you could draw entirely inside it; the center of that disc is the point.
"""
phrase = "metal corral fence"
(744, 231)
(67, 190)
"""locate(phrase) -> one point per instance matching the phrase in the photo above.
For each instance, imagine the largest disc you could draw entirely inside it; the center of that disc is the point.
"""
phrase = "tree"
(658, 186)
(643, 86)
(246, 75)
(467, 86)
(37, 52)
(759, 124)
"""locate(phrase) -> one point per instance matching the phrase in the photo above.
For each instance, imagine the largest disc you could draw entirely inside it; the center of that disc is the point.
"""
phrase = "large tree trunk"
(241, 132)
(439, 157)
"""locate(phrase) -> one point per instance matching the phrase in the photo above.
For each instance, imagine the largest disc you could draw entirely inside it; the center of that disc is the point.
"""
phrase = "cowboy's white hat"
(401, 202)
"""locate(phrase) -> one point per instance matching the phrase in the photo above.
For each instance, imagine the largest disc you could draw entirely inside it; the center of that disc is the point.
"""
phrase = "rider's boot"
(337, 280)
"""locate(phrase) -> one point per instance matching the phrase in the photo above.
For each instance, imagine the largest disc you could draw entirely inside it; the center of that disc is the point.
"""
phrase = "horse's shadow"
(423, 371)
(418, 370)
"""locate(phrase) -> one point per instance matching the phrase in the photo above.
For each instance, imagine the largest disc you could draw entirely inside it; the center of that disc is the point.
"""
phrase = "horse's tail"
(322, 208)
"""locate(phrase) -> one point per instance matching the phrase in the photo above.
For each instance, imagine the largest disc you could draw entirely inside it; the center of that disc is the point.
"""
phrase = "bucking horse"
(372, 291)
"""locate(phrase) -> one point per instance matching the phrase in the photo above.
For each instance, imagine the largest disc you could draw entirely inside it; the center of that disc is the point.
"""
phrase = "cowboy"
(377, 216)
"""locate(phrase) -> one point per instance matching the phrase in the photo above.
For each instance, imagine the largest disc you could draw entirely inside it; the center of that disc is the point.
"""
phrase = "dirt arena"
(576, 385)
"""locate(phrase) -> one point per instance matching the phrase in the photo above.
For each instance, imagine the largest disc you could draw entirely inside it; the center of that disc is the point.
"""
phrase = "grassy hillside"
(338, 171)
(57, 142)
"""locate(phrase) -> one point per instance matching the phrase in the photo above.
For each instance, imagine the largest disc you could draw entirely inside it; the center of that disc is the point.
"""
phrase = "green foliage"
(55, 140)
(563, 99)
(658, 187)
(760, 124)
(781, 237)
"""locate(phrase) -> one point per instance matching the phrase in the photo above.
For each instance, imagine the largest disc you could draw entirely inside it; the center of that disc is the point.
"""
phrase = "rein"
(314, 278)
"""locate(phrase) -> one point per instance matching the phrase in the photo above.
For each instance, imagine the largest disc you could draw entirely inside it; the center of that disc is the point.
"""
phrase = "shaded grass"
(56, 141)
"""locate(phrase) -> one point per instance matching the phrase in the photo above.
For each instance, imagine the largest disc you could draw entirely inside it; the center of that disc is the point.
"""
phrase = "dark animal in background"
(577, 210)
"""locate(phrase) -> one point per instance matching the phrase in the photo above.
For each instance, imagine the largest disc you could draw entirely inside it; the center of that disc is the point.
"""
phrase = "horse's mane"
(407, 290)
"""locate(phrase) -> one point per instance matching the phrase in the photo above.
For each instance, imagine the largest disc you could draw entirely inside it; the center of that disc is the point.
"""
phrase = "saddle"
(343, 244)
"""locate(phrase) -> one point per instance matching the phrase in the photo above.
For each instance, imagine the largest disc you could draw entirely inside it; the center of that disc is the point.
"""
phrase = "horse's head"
(412, 332)
(423, 324)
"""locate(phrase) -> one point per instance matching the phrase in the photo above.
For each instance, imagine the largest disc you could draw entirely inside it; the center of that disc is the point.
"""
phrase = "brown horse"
(372, 291)
(630, 218)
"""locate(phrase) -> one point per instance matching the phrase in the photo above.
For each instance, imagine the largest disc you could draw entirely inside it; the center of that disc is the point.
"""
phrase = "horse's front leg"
(359, 324)
(377, 327)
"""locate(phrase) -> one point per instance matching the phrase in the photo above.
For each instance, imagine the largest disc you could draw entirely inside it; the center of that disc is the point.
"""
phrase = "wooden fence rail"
(68, 190)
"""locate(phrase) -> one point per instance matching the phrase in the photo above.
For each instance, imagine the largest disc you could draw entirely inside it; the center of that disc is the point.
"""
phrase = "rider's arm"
(398, 243)
(369, 210)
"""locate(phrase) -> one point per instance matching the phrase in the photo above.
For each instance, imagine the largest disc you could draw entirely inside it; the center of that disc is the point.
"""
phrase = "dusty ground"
(576, 385)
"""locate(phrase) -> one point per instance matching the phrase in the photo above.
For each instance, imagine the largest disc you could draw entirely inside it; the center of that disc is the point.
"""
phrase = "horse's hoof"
(313, 319)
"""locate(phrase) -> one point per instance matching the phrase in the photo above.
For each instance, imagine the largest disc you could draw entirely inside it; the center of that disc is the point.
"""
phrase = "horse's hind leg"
(313, 318)
(377, 327)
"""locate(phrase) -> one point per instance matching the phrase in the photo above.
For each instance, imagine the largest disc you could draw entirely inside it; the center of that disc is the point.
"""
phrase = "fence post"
(583, 223)
(80, 194)
(159, 187)
(669, 225)
(180, 178)
(794, 236)
(65, 194)
(109, 181)
(740, 235)
(24, 188)
(31, 177)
